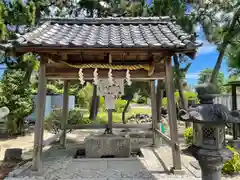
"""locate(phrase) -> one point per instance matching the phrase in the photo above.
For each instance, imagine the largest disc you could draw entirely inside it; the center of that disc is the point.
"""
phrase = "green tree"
(233, 57)
(205, 76)
(15, 18)
(119, 8)
(141, 88)
(179, 78)
(94, 8)
(221, 28)
(177, 8)
(84, 95)
(234, 77)
(17, 96)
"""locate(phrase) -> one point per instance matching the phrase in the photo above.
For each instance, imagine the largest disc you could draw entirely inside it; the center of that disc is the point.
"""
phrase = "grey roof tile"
(143, 32)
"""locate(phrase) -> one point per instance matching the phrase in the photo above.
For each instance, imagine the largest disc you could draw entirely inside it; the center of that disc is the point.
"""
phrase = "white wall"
(52, 101)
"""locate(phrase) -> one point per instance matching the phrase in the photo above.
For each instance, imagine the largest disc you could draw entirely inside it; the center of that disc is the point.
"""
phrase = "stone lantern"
(4, 111)
(209, 122)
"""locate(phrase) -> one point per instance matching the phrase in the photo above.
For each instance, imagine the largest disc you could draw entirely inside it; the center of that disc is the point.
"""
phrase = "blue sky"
(206, 58)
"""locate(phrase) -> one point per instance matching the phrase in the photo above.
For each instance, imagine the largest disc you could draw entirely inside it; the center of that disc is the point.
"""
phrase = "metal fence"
(226, 99)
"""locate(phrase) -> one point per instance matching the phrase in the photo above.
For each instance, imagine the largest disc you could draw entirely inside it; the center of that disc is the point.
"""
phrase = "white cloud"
(206, 47)
(192, 75)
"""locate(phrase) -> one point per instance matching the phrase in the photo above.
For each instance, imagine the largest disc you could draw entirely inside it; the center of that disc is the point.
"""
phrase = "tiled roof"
(158, 32)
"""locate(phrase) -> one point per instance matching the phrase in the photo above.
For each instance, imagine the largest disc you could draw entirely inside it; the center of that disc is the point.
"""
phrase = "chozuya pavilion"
(138, 48)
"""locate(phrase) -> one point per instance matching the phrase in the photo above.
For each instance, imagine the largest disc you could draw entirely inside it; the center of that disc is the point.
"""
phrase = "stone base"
(195, 164)
(107, 145)
(14, 154)
(179, 172)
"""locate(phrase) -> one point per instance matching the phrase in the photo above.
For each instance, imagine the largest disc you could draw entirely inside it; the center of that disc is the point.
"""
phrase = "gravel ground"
(24, 142)
(58, 164)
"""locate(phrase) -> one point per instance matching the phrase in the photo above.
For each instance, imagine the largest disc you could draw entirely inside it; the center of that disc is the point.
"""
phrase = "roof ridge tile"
(112, 32)
(110, 20)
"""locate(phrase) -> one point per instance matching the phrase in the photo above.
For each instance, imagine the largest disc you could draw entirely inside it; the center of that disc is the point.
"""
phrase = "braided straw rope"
(110, 66)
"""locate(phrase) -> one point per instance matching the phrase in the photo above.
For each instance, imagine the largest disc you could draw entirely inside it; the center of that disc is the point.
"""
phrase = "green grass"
(140, 111)
(102, 117)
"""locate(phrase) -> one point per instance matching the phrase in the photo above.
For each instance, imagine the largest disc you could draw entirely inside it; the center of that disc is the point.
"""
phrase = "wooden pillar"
(154, 111)
(159, 99)
(172, 116)
(110, 112)
(234, 107)
(65, 114)
(40, 112)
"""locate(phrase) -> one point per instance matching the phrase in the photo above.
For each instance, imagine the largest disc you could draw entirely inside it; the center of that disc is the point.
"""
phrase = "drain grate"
(80, 154)
(108, 156)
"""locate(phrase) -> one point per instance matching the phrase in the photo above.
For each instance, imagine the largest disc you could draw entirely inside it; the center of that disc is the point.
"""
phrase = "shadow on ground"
(28, 129)
(59, 163)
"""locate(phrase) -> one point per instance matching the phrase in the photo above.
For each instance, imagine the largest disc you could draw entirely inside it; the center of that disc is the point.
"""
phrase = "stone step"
(151, 160)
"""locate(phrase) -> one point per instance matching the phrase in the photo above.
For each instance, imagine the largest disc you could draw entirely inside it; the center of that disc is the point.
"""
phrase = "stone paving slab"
(63, 166)
(24, 142)
(58, 164)
(119, 178)
(164, 152)
(152, 163)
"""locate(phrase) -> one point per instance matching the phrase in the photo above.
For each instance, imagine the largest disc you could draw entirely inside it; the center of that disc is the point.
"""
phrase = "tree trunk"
(217, 66)
(180, 87)
(28, 74)
(97, 106)
(20, 126)
(223, 47)
(94, 104)
(78, 89)
(125, 110)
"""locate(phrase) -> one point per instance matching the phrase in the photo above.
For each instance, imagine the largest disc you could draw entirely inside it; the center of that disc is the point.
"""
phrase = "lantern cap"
(209, 114)
(206, 92)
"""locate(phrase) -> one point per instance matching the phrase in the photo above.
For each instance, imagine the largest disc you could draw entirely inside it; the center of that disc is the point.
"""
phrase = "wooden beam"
(79, 59)
(118, 75)
(54, 57)
(159, 99)
(154, 111)
(104, 126)
(167, 139)
(110, 121)
(54, 72)
(110, 58)
(78, 50)
(65, 114)
(74, 77)
(172, 114)
(151, 71)
(64, 66)
(38, 132)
